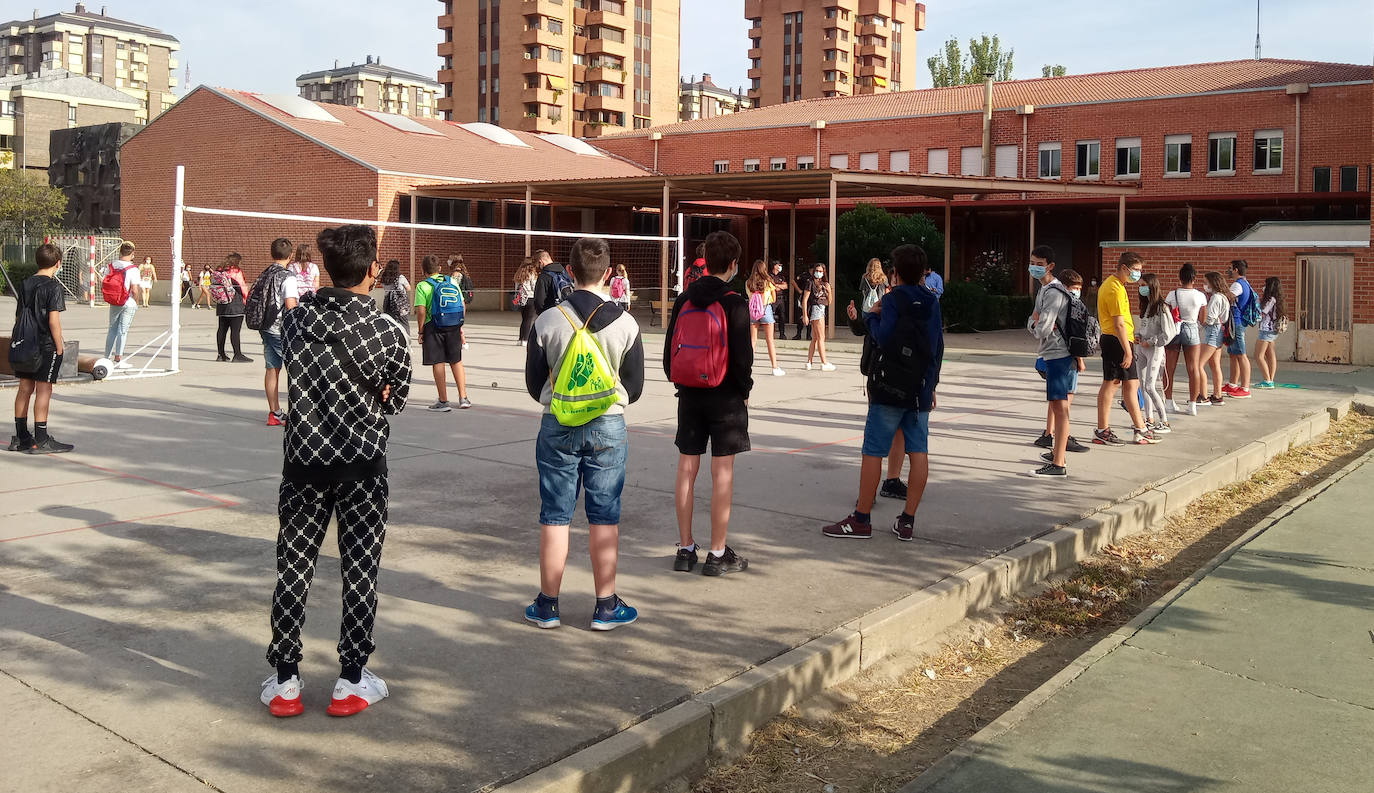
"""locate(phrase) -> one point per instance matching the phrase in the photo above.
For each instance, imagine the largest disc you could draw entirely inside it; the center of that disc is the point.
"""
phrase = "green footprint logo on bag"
(585, 386)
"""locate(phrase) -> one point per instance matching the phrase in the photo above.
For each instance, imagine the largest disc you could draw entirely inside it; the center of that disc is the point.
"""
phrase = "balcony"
(540, 123)
(445, 49)
(620, 49)
(755, 52)
(542, 66)
(445, 75)
(544, 96)
(595, 129)
(531, 36)
(171, 81)
(872, 70)
(579, 102)
(445, 21)
(844, 88)
(870, 29)
(444, 104)
(753, 9)
(557, 9)
(615, 104)
(866, 50)
(172, 64)
(608, 18)
(755, 74)
(603, 74)
(137, 56)
(579, 74)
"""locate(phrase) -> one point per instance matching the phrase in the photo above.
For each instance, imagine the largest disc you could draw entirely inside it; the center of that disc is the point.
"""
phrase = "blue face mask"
(1133, 276)
(1037, 271)
(1144, 291)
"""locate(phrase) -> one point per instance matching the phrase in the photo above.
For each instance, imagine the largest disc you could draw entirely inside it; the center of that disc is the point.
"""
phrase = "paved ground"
(1256, 679)
(135, 574)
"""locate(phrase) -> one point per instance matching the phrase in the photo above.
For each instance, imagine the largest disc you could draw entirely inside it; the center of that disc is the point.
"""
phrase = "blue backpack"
(1247, 308)
(446, 308)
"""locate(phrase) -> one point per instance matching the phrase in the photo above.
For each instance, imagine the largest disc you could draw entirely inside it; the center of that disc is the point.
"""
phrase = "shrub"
(967, 307)
(18, 272)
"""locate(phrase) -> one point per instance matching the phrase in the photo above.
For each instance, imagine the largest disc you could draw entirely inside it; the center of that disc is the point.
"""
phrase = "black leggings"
(527, 317)
(231, 326)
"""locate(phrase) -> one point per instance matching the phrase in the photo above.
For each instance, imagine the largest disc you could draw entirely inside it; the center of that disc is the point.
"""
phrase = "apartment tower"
(804, 49)
(372, 86)
(576, 67)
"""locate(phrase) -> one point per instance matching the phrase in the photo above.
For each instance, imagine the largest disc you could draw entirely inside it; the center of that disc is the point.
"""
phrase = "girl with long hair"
(304, 268)
(396, 294)
(761, 284)
(1155, 330)
(525, 277)
(815, 302)
(1273, 319)
(230, 315)
(1189, 307)
(458, 273)
(620, 286)
(873, 285)
(1219, 300)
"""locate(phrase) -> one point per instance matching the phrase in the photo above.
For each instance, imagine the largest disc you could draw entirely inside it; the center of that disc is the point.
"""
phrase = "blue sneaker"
(610, 619)
(543, 613)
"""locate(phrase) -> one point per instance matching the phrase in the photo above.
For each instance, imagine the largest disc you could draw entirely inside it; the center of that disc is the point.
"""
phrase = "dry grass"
(878, 733)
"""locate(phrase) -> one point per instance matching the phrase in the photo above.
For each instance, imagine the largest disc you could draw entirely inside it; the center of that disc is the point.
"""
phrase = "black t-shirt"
(43, 294)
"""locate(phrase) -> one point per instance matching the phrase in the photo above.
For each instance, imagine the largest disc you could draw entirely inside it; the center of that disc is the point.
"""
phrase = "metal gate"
(1326, 308)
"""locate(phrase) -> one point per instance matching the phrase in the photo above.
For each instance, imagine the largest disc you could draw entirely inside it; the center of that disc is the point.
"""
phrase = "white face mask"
(1076, 292)
(818, 273)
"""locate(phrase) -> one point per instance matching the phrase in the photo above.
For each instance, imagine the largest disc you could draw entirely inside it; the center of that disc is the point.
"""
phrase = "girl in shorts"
(1155, 329)
(1219, 300)
(1190, 307)
(815, 302)
(760, 283)
(1272, 319)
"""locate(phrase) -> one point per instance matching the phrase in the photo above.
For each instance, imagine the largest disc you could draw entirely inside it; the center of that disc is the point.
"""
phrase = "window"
(868, 161)
(937, 161)
(1269, 151)
(1178, 155)
(1005, 161)
(1087, 162)
(1350, 178)
(555, 55)
(1128, 158)
(751, 165)
(899, 161)
(1050, 154)
(778, 164)
(1221, 153)
(1321, 180)
(971, 161)
(722, 166)
(806, 163)
(6, 108)
(71, 114)
(839, 161)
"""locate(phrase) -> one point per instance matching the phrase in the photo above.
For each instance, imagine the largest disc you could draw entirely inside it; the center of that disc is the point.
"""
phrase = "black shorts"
(442, 345)
(1112, 356)
(49, 365)
(723, 421)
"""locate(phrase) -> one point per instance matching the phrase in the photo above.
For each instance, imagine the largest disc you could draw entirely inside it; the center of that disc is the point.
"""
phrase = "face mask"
(1037, 271)
(1076, 292)
(1133, 276)
(1207, 289)
(1144, 291)
(818, 273)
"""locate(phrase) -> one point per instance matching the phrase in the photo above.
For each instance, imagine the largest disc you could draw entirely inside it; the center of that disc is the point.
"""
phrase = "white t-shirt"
(1189, 302)
(1218, 309)
(131, 278)
(1268, 322)
(290, 288)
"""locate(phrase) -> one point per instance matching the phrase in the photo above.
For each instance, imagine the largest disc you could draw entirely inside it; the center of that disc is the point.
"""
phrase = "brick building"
(33, 106)
(284, 154)
(373, 86)
(804, 49)
(578, 67)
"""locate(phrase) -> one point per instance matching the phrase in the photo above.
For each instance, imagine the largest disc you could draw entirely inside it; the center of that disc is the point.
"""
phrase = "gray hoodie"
(1051, 305)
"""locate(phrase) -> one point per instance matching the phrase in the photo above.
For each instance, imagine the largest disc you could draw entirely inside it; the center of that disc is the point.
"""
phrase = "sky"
(258, 45)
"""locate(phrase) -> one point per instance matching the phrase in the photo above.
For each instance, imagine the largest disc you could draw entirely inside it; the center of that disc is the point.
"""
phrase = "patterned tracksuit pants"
(304, 511)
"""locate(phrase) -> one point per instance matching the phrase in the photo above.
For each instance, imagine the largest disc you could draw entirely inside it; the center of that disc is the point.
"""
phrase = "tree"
(868, 231)
(984, 57)
(1057, 70)
(28, 204)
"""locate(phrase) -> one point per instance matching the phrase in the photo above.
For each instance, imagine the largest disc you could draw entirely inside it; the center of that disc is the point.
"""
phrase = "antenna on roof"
(1257, 29)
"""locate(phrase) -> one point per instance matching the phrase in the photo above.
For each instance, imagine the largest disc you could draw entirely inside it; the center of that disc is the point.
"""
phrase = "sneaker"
(827, 367)
(276, 420)
(1267, 384)
(729, 562)
(850, 528)
(1172, 406)
(1143, 437)
(350, 698)
(1106, 437)
(808, 366)
(439, 407)
(464, 403)
(466, 345)
(1075, 446)
(1240, 393)
(1045, 441)
(222, 358)
(685, 560)
(1228, 390)
(609, 620)
(893, 488)
(1161, 428)
(1216, 401)
(1051, 471)
(1047, 457)
(283, 699)
(50, 446)
(18, 445)
(904, 528)
(241, 359)
(1192, 408)
(122, 365)
(545, 616)
(778, 373)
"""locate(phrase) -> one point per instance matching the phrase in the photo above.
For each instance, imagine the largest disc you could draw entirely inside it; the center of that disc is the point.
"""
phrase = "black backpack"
(897, 371)
(26, 342)
(396, 303)
(264, 299)
(1079, 329)
(560, 289)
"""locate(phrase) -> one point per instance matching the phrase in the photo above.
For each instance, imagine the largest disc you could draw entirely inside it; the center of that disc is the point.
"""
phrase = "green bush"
(17, 272)
(968, 307)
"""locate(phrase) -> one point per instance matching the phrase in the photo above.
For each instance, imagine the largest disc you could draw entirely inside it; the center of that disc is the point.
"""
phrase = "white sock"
(688, 548)
(718, 554)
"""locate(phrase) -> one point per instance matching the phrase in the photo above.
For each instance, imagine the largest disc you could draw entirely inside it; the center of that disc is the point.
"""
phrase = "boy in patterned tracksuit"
(348, 367)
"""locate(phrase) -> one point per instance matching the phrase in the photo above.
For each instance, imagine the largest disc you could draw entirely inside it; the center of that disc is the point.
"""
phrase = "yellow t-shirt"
(1112, 302)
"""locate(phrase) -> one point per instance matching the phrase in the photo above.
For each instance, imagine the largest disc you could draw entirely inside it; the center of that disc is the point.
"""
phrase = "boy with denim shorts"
(590, 457)
(907, 329)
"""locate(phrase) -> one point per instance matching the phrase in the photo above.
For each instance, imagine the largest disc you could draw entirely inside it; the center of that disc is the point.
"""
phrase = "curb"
(715, 724)
(985, 737)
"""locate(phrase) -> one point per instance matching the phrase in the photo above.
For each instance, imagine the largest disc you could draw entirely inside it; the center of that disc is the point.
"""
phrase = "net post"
(663, 255)
(178, 219)
(681, 244)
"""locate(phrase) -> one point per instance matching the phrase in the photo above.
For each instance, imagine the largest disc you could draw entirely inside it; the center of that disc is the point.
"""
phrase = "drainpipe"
(818, 125)
(1296, 90)
(656, 137)
(1025, 112)
(987, 124)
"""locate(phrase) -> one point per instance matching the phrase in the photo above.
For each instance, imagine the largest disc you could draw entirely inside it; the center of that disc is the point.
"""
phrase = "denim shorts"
(1189, 335)
(883, 423)
(588, 459)
(767, 318)
(271, 349)
(1061, 378)
(817, 313)
(1237, 345)
(1211, 335)
(1268, 335)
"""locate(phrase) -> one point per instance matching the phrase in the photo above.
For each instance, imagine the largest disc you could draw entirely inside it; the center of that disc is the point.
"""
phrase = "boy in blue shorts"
(1059, 367)
(907, 331)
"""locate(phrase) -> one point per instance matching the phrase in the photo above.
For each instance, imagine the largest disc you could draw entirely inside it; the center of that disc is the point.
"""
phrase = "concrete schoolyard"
(136, 573)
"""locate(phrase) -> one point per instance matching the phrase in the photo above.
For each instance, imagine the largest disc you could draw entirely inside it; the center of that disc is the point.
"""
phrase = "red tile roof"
(1161, 81)
(455, 154)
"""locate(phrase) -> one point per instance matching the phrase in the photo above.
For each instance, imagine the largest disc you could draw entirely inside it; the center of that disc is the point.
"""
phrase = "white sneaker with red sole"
(350, 698)
(283, 699)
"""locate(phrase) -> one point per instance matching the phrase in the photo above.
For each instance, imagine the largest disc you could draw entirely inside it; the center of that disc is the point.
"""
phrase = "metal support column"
(949, 233)
(663, 256)
(529, 217)
(791, 265)
(834, 228)
(1121, 219)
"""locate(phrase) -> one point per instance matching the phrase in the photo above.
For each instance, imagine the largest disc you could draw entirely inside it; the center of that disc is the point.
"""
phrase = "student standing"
(892, 486)
(801, 284)
(285, 294)
(780, 295)
(1219, 302)
(814, 305)
(40, 296)
(348, 368)
(1041, 267)
(1272, 320)
(553, 284)
(1047, 325)
(934, 282)
(396, 297)
(1239, 385)
(304, 268)
(1190, 308)
(1120, 369)
(696, 269)
(620, 286)
(186, 291)
(127, 285)
(906, 327)
(713, 387)
(582, 441)
(1156, 329)
(763, 297)
(525, 278)
(206, 278)
(439, 312)
(147, 276)
(228, 281)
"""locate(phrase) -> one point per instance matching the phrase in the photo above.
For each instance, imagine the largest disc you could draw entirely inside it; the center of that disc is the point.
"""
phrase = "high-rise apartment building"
(804, 49)
(704, 99)
(129, 57)
(576, 67)
(372, 86)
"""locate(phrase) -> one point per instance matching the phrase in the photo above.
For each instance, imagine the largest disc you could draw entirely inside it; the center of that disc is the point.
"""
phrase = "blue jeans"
(590, 458)
(1237, 345)
(121, 317)
(271, 349)
(883, 423)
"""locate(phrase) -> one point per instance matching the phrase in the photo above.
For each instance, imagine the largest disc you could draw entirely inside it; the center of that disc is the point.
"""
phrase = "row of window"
(457, 212)
(1178, 156)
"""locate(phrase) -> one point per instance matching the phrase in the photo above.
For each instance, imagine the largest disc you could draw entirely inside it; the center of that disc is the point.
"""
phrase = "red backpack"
(113, 287)
(701, 354)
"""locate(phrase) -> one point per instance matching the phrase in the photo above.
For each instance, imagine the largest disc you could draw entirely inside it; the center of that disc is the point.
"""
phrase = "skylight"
(495, 134)
(403, 123)
(296, 107)
(573, 145)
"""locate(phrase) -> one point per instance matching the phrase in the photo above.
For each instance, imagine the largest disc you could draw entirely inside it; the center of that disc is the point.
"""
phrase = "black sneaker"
(50, 446)
(19, 445)
(893, 488)
(728, 562)
(1046, 441)
(242, 359)
(685, 560)
(904, 528)
(1052, 471)
(222, 358)
(1075, 446)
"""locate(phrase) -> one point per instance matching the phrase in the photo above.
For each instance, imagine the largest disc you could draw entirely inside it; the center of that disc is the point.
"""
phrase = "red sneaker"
(1240, 393)
(1228, 390)
(283, 700)
(351, 698)
(274, 420)
(850, 528)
